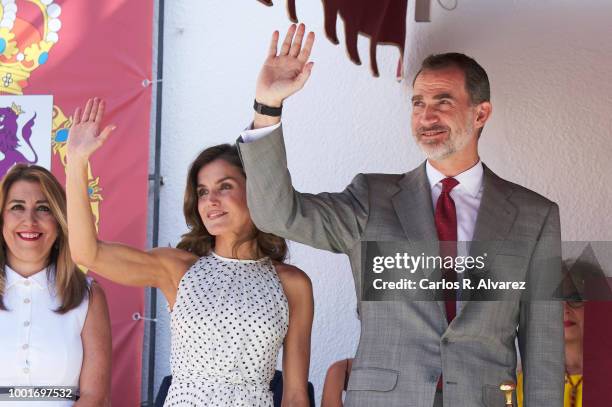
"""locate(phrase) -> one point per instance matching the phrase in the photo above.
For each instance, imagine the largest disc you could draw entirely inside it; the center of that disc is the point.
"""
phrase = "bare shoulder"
(294, 280)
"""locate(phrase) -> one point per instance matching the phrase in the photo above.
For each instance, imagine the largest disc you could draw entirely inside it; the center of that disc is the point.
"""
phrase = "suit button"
(445, 341)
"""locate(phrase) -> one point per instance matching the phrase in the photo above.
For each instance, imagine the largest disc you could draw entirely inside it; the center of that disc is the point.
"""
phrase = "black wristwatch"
(267, 110)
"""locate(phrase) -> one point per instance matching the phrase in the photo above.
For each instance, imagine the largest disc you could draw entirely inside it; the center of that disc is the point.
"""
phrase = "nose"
(213, 198)
(30, 217)
(428, 116)
(566, 309)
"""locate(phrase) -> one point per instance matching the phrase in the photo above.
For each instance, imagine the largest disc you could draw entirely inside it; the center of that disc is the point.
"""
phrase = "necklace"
(573, 388)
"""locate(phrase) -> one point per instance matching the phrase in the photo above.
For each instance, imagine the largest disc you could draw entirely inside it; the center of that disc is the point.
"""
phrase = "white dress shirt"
(38, 347)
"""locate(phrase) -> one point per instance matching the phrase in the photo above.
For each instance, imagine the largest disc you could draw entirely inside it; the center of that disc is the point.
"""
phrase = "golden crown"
(25, 40)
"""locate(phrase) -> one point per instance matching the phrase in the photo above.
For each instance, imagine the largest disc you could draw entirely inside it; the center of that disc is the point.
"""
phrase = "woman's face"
(573, 321)
(222, 200)
(29, 228)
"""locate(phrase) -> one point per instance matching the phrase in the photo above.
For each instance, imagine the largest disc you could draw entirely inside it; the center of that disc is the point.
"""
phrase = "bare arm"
(296, 347)
(160, 268)
(95, 379)
(335, 380)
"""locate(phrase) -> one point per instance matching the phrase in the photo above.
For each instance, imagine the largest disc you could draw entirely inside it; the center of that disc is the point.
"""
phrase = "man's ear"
(483, 112)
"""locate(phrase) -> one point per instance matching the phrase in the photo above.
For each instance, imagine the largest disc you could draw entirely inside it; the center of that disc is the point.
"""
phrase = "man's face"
(443, 117)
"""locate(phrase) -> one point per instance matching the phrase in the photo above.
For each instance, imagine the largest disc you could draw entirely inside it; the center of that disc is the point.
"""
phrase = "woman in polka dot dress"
(233, 302)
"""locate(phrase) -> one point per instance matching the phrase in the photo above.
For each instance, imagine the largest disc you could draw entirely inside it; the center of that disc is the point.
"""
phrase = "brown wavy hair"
(198, 240)
(70, 282)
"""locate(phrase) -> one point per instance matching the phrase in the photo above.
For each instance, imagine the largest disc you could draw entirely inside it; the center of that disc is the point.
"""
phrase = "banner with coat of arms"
(54, 55)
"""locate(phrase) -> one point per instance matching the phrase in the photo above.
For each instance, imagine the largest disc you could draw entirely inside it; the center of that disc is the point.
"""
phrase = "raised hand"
(85, 136)
(285, 73)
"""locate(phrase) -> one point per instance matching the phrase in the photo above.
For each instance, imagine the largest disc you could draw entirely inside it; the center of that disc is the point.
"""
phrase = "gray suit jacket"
(405, 346)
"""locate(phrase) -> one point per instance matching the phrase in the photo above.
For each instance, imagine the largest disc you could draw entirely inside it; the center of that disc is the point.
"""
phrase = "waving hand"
(286, 71)
(85, 136)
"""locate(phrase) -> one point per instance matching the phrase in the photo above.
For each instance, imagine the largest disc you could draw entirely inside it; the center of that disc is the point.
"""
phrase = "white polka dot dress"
(228, 324)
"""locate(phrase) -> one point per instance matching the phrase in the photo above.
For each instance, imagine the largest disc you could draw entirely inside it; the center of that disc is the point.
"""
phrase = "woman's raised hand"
(85, 136)
(285, 72)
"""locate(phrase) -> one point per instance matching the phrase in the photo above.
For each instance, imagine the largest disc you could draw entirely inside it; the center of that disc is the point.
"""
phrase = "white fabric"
(39, 347)
(228, 324)
(249, 134)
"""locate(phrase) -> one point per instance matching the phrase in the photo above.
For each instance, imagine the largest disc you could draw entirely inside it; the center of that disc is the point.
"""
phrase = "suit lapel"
(496, 216)
(414, 209)
(413, 206)
(496, 213)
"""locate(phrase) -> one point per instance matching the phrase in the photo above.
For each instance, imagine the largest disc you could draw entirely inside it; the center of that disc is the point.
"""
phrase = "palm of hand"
(278, 75)
(82, 138)
(85, 136)
(285, 72)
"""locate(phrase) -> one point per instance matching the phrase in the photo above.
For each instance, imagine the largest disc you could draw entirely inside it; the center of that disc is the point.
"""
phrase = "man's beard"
(440, 149)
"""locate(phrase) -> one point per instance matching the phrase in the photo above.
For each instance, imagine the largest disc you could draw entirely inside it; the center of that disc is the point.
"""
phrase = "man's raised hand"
(284, 73)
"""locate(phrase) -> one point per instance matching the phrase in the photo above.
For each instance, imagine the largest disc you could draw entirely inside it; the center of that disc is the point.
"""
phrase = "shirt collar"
(470, 179)
(37, 280)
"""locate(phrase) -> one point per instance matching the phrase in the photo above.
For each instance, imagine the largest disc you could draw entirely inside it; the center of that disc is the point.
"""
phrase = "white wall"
(549, 63)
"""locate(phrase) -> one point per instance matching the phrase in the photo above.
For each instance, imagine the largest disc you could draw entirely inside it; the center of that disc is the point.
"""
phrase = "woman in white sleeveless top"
(233, 301)
(54, 325)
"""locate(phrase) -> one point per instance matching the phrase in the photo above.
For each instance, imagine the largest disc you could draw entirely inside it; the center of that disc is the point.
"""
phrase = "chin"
(437, 155)
(217, 230)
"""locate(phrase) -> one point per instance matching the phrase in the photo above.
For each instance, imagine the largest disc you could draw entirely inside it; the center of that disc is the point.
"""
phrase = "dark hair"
(70, 282)
(476, 79)
(198, 240)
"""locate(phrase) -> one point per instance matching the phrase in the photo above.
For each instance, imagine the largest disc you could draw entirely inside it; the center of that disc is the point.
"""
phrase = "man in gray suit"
(422, 353)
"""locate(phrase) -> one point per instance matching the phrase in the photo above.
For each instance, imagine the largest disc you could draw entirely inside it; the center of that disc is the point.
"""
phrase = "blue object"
(43, 58)
(61, 135)
(2, 45)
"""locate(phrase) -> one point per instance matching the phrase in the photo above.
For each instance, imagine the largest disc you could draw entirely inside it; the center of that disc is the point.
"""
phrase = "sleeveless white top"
(228, 323)
(38, 347)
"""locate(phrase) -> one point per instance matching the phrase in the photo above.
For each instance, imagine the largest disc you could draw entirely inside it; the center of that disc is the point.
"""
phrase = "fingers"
(287, 42)
(301, 79)
(76, 118)
(305, 52)
(100, 111)
(105, 133)
(94, 110)
(87, 111)
(297, 41)
(273, 44)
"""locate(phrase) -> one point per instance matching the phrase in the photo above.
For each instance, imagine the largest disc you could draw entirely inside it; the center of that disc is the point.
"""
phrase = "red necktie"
(446, 224)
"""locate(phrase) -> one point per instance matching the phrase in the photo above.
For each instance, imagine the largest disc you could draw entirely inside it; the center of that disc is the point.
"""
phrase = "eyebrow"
(443, 96)
(22, 201)
(436, 97)
(221, 180)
